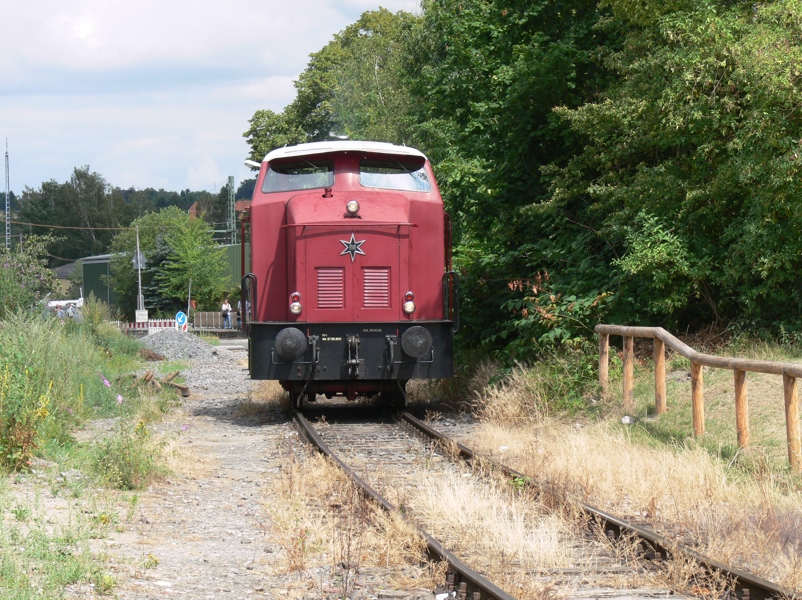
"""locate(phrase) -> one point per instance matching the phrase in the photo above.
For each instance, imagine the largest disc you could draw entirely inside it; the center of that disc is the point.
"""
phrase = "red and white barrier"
(151, 326)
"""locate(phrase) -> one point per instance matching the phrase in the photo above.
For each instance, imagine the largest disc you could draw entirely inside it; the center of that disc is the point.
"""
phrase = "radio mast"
(8, 205)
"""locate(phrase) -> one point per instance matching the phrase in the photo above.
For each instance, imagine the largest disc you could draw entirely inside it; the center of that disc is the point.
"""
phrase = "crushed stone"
(175, 345)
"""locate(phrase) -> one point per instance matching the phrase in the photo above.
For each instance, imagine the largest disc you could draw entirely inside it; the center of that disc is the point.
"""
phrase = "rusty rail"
(740, 366)
(747, 586)
(467, 576)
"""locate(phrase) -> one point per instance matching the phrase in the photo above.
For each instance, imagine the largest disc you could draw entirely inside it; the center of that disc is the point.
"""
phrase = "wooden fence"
(739, 366)
(211, 320)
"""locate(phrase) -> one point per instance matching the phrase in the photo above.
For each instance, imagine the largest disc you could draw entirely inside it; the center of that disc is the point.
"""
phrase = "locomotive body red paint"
(349, 275)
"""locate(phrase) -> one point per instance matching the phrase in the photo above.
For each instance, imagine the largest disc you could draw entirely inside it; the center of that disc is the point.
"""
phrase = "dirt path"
(205, 532)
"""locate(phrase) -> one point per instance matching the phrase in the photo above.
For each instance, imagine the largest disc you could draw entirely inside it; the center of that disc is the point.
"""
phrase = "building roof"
(64, 271)
(342, 146)
(99, 258)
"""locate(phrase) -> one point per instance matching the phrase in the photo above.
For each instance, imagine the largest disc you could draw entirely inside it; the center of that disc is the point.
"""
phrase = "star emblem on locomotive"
(352, 247)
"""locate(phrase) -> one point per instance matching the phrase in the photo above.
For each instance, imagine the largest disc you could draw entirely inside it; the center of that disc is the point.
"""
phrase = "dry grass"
(322, 521)
(185, 460)
(742, 521)
(268, 396)
(490, 518)
(515, 400)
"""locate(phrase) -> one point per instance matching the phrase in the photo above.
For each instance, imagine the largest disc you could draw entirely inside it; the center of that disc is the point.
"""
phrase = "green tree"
(177, 248)
(269, 130)
(86, 210)
(153, 228)
(354, 86)
(700, 133)
(485, 78)
(25, 280)
(245, 189)
(194, 257)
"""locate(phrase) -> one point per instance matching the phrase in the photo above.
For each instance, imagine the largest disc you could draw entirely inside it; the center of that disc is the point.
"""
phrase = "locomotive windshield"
(299, 176)
(393, 175)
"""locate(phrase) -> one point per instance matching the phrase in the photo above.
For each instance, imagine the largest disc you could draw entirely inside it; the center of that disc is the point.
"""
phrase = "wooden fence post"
(792, 422)
(629, 372)
(741, 408)
(697, 399)
(659, 376)
(604, 360)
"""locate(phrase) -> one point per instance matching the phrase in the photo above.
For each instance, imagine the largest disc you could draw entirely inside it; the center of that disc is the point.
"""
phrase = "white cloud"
(152, 94)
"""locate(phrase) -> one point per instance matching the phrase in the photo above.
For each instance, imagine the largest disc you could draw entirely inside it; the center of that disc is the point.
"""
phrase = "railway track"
(394, 458)
(651, 545)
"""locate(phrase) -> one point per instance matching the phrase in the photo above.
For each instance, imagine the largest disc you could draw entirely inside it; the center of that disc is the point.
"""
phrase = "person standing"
(226, 310)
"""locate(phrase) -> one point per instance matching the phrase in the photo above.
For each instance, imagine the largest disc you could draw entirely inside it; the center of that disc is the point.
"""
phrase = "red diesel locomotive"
(351, 288)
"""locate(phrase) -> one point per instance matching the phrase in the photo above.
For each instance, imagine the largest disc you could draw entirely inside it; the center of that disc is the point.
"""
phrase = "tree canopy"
(629, 161)
(86, 212)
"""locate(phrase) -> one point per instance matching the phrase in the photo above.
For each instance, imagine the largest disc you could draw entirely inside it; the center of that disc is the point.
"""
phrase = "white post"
(140, 301)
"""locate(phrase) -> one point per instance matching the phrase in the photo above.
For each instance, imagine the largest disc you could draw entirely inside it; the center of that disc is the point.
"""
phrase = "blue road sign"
(180, 318)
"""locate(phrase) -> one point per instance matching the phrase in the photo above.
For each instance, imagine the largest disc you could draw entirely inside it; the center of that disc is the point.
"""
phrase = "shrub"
(24, 276)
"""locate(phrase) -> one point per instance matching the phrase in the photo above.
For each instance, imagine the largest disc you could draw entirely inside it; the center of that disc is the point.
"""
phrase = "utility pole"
(140, 300)
(189, 298)
(8, 205)
(232, 213)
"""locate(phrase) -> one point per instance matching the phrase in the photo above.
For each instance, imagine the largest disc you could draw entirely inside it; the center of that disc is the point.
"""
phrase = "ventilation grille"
(330, 288)
(377, 287)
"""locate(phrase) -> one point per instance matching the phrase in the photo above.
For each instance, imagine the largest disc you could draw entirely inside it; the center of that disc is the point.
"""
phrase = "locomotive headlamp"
(409, 307)
(295, 306)
(352, 208)
(409, 296)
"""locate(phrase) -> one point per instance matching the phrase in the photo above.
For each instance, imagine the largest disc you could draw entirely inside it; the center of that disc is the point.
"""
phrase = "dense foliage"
(635, 162)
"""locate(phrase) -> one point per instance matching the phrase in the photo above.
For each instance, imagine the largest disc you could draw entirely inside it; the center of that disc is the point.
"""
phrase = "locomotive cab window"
(299, 176)
(393, 175)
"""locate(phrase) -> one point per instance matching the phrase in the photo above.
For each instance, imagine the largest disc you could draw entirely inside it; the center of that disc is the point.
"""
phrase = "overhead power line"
(47, 225)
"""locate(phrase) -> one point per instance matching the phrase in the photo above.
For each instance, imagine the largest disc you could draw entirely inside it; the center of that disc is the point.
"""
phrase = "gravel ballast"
(175, 345)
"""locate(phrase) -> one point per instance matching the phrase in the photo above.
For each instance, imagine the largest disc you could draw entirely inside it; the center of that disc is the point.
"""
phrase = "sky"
(152, 94)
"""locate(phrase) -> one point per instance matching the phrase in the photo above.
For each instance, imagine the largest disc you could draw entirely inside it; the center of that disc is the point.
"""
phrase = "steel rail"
(747, 585)
(477, 581)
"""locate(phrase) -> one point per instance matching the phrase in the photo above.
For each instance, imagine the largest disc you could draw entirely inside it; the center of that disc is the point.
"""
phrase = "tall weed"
(129, 459)
(53, 376)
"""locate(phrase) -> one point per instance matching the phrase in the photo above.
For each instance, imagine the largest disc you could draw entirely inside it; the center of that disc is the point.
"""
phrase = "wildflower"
(105, 381)
(119, 399)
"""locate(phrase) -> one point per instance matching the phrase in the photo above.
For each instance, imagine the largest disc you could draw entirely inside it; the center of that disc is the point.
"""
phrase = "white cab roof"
(342, 146)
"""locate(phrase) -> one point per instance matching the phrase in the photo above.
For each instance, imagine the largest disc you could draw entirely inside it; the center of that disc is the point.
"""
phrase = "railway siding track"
(654, 545)
(387, 453)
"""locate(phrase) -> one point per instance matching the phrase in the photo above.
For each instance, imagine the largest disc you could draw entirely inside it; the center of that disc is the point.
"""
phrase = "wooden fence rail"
(739, 366)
